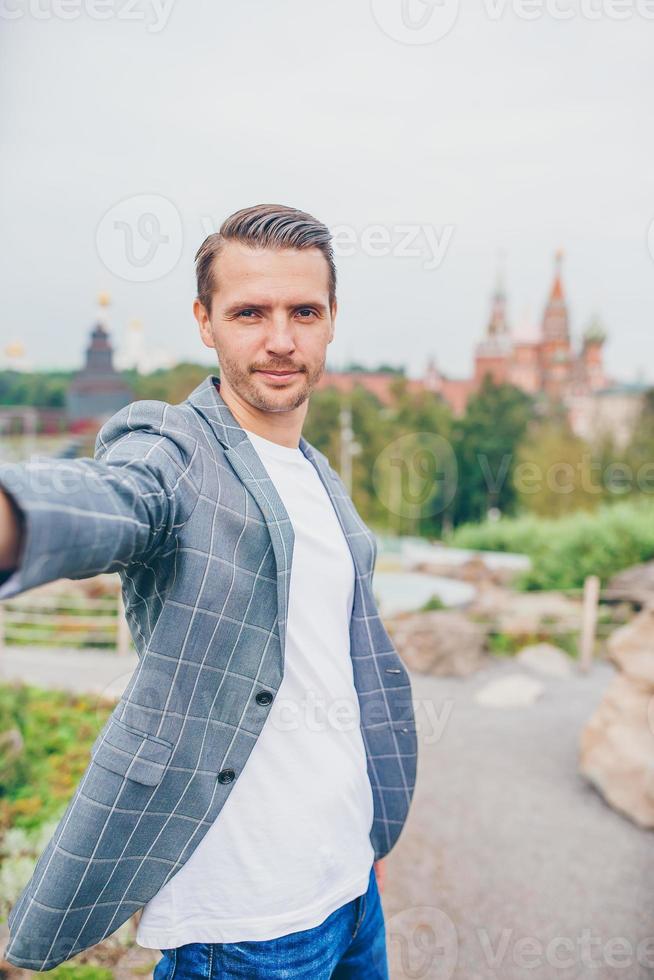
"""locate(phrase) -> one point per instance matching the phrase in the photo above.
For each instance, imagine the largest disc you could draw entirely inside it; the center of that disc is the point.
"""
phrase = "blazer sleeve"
(85, 516)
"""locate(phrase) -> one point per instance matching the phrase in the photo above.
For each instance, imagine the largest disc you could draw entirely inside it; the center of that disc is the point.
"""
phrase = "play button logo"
(415, 21)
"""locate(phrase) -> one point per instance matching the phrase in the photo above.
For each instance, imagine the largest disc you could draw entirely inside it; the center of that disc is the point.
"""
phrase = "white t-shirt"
(292, 841)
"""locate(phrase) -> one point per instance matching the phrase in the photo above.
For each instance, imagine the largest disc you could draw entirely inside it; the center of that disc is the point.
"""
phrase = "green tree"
(486, 440)
(38, 389)
(412, 418)
(171, 384)
(639, 453)
(556, 472)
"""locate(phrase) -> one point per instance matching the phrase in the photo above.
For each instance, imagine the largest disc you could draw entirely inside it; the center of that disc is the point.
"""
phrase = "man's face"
(270, 323)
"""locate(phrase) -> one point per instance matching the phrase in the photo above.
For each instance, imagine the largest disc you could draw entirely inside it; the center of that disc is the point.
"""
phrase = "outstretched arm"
(77, 518)
(11, 534)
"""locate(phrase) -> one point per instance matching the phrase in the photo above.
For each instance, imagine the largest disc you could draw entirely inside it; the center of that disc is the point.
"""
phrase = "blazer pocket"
(127, 752)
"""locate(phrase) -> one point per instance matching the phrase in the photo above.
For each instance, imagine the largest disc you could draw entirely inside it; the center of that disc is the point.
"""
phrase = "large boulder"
(617, 744)
(510, 691)
(635, 583)
(442, 642)
(545, 658)
(631, 648)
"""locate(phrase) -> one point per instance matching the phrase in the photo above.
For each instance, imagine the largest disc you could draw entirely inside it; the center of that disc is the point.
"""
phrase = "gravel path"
(521, 868)
(510, 866)
(83, 671)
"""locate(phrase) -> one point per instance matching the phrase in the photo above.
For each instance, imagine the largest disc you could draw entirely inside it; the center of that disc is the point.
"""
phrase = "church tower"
(555, 349)
(97, 391)
(591, 356)
(493, 354)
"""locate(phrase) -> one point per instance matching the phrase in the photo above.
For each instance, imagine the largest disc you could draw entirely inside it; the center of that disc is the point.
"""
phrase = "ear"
(204, 323)
(334, 311)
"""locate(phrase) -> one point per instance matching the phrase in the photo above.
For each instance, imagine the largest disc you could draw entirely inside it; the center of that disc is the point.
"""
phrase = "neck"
(284, 427)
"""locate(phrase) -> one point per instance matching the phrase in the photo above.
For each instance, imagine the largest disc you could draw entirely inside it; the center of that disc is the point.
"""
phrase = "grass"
(434, 602)
(82, 972)
(508, 644)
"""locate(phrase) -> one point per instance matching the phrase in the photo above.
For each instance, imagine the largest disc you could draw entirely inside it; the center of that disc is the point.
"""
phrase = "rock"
(442, 643)
(617, 743)
(617, 750)
(546, 659)
(635, 583)
(512, 691)
(527, 613)
(475, 569)
(631, 648)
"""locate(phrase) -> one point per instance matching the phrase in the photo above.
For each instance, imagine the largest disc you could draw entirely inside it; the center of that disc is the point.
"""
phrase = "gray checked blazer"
(178, 503)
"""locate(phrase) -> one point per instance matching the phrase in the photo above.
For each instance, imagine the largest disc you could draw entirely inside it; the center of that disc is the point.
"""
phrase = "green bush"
(19, 850)
(564, 551)
(508, 644)
(57, 730)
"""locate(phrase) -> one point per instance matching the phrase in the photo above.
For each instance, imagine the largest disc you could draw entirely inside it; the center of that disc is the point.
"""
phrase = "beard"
(251, 387)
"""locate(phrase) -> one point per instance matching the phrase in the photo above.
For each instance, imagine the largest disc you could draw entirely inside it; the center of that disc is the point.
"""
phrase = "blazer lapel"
(248, 466)
(245, 461)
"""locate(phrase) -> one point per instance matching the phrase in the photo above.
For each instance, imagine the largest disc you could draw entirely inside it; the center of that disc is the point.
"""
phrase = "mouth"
(279, 375)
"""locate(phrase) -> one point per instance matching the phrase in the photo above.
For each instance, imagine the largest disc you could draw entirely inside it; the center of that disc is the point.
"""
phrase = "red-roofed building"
(546, 364)
(543, 365)
(377, 383)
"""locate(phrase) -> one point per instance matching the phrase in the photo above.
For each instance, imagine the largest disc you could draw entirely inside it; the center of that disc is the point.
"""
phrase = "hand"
(10, 533)
(380, 873)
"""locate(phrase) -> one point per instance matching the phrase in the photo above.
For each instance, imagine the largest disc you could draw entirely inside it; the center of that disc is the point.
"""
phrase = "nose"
(280, 339)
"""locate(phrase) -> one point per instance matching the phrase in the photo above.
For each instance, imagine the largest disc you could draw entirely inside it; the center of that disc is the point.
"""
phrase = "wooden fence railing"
(65, 621)
(74, 621)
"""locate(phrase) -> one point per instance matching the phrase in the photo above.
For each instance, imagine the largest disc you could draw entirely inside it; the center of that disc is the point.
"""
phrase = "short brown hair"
(263, 226)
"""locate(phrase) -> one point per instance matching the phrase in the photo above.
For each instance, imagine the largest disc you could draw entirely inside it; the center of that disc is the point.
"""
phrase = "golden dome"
(14, 349)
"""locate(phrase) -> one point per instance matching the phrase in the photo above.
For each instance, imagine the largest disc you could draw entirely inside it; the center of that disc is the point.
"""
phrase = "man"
(247, 578)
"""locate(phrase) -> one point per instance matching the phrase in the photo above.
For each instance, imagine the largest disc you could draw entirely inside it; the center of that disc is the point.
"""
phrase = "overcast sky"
(125, 140)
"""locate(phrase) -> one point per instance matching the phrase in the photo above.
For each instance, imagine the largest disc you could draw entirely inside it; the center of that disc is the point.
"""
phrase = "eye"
(305, 312)
(248, 314)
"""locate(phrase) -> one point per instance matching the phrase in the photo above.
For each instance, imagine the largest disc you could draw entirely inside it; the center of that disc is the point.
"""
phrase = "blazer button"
(225, 775)
(264, 697)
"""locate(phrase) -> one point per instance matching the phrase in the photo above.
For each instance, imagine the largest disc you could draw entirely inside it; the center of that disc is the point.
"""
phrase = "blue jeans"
(350, 944)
